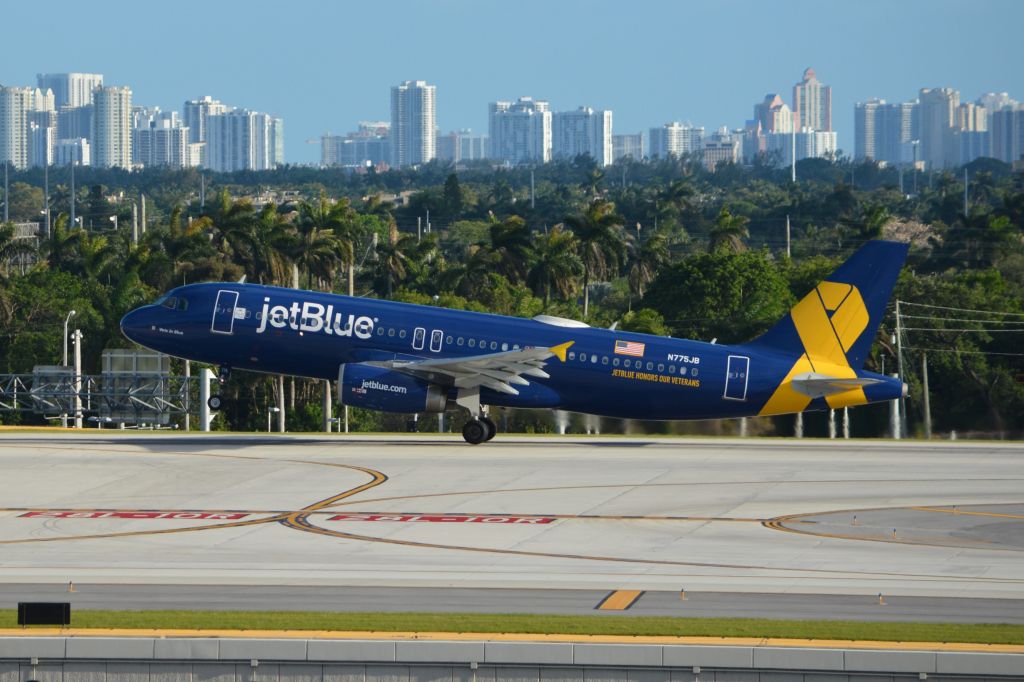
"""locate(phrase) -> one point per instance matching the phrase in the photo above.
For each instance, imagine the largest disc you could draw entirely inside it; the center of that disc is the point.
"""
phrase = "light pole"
(71, 313)
(270, 413)
(113, 219)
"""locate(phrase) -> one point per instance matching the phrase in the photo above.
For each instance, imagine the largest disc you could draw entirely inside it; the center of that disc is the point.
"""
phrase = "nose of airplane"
(134, 324)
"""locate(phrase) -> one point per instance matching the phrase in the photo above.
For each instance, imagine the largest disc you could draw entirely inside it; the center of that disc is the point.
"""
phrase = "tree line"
(662, 247)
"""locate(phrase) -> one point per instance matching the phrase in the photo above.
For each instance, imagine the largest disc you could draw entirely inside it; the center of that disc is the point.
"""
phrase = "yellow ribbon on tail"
(829, 320)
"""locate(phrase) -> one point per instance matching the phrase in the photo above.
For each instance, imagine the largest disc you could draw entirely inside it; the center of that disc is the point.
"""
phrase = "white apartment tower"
(675, 139)
(112, 128)
(582, 132)
(15, 105)
(413, 123)
(194, 114)
(243, 140)
(812, 103)
(70, 89)
(520, 131)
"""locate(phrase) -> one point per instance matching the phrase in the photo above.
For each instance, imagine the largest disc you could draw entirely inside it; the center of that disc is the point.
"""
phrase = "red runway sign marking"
(191, 516)
(450, 518)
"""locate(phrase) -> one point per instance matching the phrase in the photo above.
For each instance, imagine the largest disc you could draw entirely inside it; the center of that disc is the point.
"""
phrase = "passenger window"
(661, 367)
(459, 342)
(259, 315)
(604, 359)
(671, 369)
(483, 344)
(593, 359)
(627, 362)
(448, 340)
(615, 362)
(504, 346)
(401, 334)
(380, 331)
(515, 346)
(391, 332)
(572, 355)
(693, 372)
(494, 345)
(650, 366)
(472, 343)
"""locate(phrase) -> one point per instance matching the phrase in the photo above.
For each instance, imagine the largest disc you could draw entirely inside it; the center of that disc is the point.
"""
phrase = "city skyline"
(322, 69)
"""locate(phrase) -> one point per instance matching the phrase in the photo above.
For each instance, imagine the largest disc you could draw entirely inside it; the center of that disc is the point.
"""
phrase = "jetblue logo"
(313, 317)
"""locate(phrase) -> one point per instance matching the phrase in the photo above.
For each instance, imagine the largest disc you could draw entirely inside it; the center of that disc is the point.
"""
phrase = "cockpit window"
(182, 304)
(170, 302)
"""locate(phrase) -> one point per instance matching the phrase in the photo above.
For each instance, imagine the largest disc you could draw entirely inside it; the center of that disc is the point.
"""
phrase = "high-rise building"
(629, 145)
(722, 147)
(161, 141)
(812, 103)
(807, 143)
(369, 145)
(675, 139)
(582, 132)
(70, 89)
(867, 129)
(67, 152)
(243, 140)
(41, 143)
(15, 105)
(461, 145)
(774, 115)
(74, 122)
(938, 118)
(194, 113)
(111, 137)
(520, 131)
(413, 123)
(1008, 133)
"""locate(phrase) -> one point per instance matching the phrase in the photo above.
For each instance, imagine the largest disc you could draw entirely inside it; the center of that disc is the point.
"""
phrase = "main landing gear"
(215, 402)
(480, 430)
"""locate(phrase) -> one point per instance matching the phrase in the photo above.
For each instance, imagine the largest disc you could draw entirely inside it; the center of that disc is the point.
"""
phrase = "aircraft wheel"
(492, 428)
(475, 432)
(214, 402)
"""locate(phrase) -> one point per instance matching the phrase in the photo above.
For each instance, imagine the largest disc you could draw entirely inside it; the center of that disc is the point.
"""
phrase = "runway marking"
(961, 512)
(619, 600)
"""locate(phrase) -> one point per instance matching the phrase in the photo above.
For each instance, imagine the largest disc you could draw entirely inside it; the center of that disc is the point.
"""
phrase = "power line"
(943, 329)
(962, 310)
(966, 352)
(958, 319)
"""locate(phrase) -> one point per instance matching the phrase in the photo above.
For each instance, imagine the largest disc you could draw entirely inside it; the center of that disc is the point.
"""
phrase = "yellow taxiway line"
(619, 600)
(513, 637)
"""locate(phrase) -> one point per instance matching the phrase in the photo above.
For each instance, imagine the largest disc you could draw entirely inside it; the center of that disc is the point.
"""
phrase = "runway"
(739, 525)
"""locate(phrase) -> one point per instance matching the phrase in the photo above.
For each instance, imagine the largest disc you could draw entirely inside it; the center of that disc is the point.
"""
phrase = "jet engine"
(379, 388)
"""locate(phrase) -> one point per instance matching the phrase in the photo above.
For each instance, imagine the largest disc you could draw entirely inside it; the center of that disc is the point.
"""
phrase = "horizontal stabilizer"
(821, 385)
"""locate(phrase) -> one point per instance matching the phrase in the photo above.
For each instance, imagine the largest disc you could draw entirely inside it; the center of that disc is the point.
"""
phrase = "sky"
(325, 65)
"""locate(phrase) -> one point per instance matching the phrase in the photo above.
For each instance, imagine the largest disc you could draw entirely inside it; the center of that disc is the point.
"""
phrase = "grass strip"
(645, 626)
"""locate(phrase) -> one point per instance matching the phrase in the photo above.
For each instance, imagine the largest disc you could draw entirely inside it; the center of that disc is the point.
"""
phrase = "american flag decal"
(629, 348)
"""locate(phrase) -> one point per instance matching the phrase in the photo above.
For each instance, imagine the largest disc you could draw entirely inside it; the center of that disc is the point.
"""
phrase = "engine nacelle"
(379, 388)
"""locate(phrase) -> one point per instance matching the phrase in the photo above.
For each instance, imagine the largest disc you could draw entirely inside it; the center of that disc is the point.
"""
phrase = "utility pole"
(280, 402)
(533, 196)
(419, 229)
(202, 191)
(188, 394)
(77, 336)
(72, 193)
(327, 405)
(142, 215)
(927, 401)
(428, 221)
(792, 159)
(46, 195)
(7, 193)
(965, 192)
(788, 254)
(902, 409)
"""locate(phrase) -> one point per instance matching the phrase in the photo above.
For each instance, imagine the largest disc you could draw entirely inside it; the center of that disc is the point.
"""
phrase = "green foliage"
(731, 296)
(645, 321)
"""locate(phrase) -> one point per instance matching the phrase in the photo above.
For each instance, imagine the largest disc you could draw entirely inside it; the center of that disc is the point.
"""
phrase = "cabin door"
(736, 372)
(224, 312)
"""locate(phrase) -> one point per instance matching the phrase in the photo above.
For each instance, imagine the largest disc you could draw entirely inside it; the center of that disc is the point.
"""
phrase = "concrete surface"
(575, 515)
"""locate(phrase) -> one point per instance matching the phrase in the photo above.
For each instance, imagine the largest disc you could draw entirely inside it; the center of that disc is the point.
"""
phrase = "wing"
(497, 371)
(820, 385)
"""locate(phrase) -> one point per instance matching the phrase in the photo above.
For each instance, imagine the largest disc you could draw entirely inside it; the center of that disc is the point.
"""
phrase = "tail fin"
(836, 323)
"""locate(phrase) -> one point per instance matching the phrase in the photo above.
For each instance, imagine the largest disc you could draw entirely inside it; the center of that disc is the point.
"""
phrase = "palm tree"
(603, 242)
(317, 249)
(512, 245)
(729, 232)
(393, 258)
(556, 264)
(349, 232)
(62, 249)
(647, 259)
(274, 241)
(231, 225)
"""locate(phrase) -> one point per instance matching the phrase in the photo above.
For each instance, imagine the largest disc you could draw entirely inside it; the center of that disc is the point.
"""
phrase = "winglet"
(561, 349)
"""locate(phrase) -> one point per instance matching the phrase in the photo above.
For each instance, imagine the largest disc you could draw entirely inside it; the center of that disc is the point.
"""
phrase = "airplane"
(406, 358)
